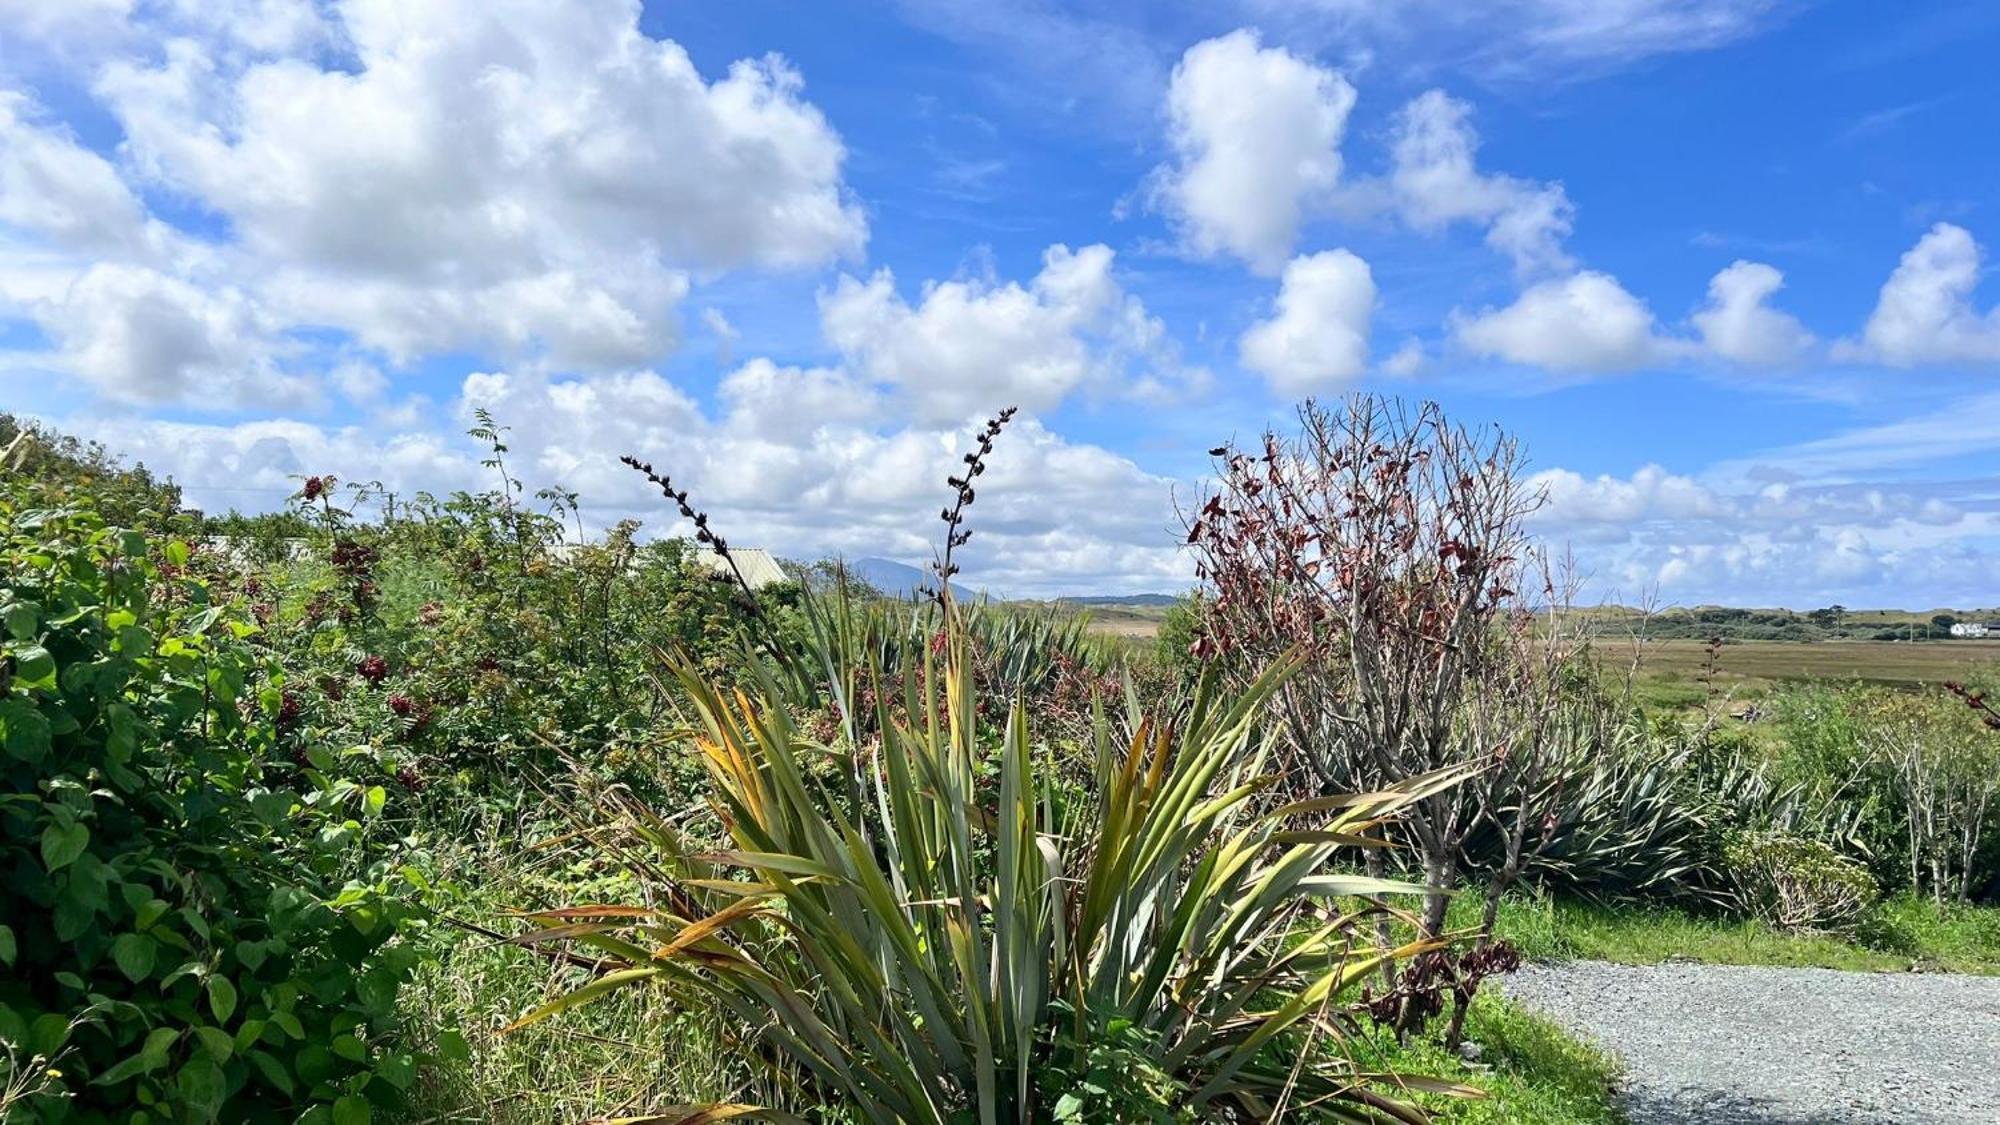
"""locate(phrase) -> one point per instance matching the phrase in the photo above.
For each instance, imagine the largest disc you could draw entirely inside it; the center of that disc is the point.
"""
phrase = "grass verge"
(1532, 1071)
(1897, 935)
(630, 1052)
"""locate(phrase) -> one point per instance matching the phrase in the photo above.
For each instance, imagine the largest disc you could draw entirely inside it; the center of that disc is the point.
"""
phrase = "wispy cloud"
(1885, 120)
(1967, 427)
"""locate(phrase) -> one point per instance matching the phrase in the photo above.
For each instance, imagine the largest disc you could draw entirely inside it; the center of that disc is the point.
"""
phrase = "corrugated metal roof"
(758, 567)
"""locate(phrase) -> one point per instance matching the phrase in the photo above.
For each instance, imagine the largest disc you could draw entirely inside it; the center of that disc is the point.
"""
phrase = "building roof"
(758, 567)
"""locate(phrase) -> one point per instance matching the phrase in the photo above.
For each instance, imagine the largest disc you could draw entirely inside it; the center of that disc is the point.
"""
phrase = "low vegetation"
(416, 808)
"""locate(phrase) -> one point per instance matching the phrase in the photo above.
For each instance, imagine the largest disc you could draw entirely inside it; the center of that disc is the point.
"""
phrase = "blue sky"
(1720, 264)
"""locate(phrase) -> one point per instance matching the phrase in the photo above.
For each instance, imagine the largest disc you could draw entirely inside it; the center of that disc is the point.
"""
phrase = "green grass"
(630, 1052)
(1532, 1072)
(1898, 935)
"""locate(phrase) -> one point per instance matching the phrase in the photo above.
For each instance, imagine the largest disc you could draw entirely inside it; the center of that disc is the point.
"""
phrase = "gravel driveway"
(1732, 1045)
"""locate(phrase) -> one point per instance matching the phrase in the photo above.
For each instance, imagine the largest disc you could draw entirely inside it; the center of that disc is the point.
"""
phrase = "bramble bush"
(194, 932)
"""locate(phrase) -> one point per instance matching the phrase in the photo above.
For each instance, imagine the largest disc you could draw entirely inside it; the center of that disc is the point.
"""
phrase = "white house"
(1975, 629)
(759, 568)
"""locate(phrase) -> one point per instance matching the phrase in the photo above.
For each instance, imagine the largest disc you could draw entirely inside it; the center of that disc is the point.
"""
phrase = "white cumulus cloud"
(1434, 181)
(142, 336)
(1925, 312)
(511, 179)
(971, 347)
(1318, 337)
(1738, 325)
(1583, 323)
(1256, 132)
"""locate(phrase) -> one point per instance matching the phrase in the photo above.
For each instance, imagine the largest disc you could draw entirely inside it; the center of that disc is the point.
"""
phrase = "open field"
(1743, 665)
(1760, 663)
(1130, 622)
(1127, 622)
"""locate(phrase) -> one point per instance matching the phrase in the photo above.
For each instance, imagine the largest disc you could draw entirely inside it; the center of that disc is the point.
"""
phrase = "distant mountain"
(1122, 599)
(901, 580)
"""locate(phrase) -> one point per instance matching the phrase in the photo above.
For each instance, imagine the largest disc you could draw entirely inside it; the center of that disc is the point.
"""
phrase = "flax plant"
(932, 926)
(921, 954)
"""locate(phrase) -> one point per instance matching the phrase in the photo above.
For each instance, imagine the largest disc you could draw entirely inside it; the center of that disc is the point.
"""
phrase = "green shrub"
(191, 933)
(1955, 935)
(1795, 883)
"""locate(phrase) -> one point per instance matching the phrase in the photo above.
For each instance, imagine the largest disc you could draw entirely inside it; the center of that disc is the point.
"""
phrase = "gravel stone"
(1741, 1045)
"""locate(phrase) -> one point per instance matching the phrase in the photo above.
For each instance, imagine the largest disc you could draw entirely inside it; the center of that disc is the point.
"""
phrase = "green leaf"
(273, 1071)
(273, 808)
(364, 918)
(176, 552)
(135, 954)
(201, 1087)
(149, 912)
(150, 1057)
(312, 1063)
(22, 620)
(398, 1070)
(376, 798)
(8, 950)
(289, 1024)
(377, 989)
(350, 1110)
(222, 998)
(350, 1048)
(25, 730)
(61, 844)
(251, 953)
(47, 1034)
(452, 1045)
(218, 1043)
(34, 667)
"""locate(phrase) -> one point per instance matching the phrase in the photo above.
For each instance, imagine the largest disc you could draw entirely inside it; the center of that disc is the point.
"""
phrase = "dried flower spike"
(702, 534)
(956, 534)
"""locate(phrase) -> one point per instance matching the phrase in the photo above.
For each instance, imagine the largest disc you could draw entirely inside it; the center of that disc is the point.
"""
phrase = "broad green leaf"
(25, 729)
(150, 1057)
(48, 1033)
(34, 667)
(201, 1087)
(222, 999)
(149, 912)
(62, 843)
(134, 954)
(398, 1069)
(218, 1043)
(273, 1071)
(22, 620)
(313, 1063)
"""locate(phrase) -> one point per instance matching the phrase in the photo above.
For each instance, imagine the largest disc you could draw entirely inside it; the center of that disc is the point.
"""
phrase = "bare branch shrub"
(1945, 777)
(1384, 545)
